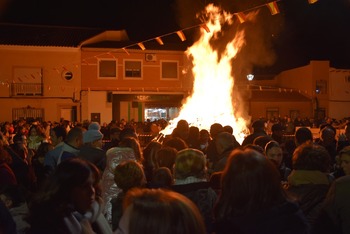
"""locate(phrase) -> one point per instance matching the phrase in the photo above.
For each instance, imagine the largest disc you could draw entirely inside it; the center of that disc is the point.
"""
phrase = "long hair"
(54, 198)
(250, 183)
(133, 143)
(160, 211)
(149, 154)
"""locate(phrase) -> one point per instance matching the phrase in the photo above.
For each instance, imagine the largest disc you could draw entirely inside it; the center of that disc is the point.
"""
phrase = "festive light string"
(272, 6)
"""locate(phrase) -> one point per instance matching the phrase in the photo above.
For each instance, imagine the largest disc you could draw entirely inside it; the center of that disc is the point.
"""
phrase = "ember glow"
(211, 99)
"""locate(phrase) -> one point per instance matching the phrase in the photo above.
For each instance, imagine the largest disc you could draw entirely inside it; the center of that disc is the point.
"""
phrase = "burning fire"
(211, 100)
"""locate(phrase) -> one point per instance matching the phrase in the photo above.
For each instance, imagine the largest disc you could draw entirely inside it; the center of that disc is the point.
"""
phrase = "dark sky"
(300, 33)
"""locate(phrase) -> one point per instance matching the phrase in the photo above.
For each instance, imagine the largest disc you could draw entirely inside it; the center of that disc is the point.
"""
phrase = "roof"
(29, 35)
(57, 36)
(278, 96)
(171, 42)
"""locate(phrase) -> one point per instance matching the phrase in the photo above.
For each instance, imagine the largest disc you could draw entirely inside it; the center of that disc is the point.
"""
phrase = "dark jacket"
(117, 210)
(203, 196)
(334, 216)
(309, 198)
(286, 218)
(221, 163)
(250, 138)
(94, 155)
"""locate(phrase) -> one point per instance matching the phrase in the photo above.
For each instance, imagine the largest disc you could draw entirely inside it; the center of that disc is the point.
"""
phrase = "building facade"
(95, 78)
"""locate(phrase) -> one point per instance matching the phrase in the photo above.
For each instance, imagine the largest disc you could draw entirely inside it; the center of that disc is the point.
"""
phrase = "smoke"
(261, 29)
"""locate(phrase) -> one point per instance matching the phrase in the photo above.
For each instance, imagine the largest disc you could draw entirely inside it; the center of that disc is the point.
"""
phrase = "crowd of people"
(62, 177)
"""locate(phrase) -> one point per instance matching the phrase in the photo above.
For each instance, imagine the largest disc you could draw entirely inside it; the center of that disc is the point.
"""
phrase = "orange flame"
(211, 99)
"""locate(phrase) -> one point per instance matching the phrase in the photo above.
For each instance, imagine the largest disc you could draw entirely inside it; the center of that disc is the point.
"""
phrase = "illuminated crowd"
(122, 177)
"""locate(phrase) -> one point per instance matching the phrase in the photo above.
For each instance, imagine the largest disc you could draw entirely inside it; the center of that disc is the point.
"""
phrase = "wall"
(258, 109)
(57, 91)
(151, 80)
(96, 102)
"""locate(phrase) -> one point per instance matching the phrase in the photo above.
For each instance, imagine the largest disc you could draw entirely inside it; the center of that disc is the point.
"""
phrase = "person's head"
(328, 135)
(204, 136)
(129, 174)
(33, 130)
(258, 125)
(42, 150)
(254, 147)
(309, 156)
(190, 162)
(162, 178)
(262, 141)
(114, 133)
(277, 130)
(176, 142)
(228, 128)
(165, 157)
(182, 129)
(93, 136)
(225, 141)
(193, 133)
(303, 135)
(36, 130)
(273, 151)
(75, 137)
(20, 141)
(149, 153)
(134, 144)
(70, 186)
(127, 132)
(159, 211)
(215, 129)
(57, 135)
(344, 156)
(250, 183)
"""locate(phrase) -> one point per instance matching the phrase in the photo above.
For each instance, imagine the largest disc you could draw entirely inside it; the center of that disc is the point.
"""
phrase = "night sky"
(300, 33)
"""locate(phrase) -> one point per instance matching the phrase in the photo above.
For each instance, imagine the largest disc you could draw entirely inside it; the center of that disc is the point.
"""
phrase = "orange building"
(85, 74)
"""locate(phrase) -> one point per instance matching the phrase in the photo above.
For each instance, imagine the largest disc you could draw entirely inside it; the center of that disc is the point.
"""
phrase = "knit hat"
(93, 133)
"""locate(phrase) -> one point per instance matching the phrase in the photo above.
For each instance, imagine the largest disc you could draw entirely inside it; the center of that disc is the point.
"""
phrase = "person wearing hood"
(91, 149)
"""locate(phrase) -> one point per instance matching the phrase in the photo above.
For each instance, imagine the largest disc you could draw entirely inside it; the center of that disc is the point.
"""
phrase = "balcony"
(26, 89)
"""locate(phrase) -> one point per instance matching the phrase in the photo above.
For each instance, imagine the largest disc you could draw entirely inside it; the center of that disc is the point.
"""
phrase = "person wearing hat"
(277, 133)
(91, 149)
(258, 127)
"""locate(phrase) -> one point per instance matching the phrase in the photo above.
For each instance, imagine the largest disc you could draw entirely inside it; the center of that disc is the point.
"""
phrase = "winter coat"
(334, 216)
(286, 218)
(110, 189)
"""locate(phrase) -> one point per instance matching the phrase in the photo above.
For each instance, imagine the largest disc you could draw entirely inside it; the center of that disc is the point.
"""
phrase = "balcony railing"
(27, 89)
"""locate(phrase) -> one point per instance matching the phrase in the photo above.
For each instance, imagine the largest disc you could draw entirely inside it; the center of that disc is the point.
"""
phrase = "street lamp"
(250, 77)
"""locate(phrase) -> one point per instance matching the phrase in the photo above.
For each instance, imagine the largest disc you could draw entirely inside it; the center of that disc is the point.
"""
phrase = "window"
(169, 70)
(321, 87)
(27, 81)
(28, 113)
(107, 68)
(347, 79)
(132, 69)
(272, 113)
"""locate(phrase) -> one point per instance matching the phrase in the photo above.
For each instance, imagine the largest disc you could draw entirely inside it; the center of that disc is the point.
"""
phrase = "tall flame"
(211, 100)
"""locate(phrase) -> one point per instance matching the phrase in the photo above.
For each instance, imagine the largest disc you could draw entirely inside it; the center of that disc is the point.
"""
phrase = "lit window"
(132, 69)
